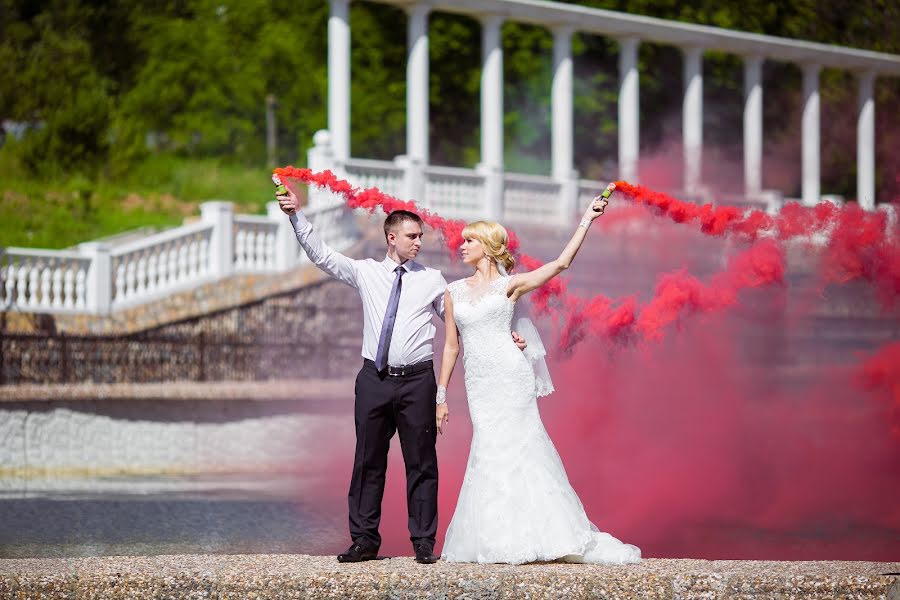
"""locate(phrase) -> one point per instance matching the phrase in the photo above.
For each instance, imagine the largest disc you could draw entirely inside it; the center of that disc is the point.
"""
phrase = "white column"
(629, 109)
(492, 92)
(692, 117)
(417, 85)
(753, 126)
(562, 109)
(221, 243)
(491, 165)
(865, 142)
(810, 135)
(285, 240)
(339, 78)
(320, 157)
(99, 277)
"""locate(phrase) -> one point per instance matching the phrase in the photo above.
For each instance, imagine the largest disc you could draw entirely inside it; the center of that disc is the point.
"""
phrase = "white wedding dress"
(516, 504)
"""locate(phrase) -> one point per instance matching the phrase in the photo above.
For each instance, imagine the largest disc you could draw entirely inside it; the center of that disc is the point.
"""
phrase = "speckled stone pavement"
(314, 577)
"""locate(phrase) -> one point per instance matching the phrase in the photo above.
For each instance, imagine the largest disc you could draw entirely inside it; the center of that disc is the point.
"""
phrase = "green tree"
(48, 81)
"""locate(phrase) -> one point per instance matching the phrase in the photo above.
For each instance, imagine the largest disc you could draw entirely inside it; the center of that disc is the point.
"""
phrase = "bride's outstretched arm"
(521, 284)
(451, 353)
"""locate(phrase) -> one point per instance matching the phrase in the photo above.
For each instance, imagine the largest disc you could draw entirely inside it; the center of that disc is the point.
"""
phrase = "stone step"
(298, 576)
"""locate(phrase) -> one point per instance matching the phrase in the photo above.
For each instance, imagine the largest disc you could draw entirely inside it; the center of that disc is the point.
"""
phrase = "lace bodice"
(483, 314)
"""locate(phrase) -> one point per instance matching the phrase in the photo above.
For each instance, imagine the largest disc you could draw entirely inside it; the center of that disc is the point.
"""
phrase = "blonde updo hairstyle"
(493, 238)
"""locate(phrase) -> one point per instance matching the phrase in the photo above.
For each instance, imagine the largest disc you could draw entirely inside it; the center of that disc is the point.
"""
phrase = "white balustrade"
(159, 265)
(533, 199)
(254, 244)
(41, 280)
(454, 193)
(97, 278)
(384, 175)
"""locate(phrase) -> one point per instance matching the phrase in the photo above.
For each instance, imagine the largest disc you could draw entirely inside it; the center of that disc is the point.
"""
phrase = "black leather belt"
(406, 370)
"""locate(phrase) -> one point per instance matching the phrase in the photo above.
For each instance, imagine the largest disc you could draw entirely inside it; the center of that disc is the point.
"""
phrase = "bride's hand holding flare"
(523, 283)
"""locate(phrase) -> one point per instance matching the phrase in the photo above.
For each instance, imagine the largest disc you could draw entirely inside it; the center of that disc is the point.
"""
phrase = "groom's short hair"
(397, 217)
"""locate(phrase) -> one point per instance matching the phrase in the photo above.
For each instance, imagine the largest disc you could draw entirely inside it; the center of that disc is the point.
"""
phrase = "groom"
(396, 388)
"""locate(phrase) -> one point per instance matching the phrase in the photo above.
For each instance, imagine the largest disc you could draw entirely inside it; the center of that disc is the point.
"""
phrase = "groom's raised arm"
(332, 262)
(323, 256)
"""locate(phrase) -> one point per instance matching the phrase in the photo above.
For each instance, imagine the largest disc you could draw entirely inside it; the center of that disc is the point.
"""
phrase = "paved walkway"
(298, 576)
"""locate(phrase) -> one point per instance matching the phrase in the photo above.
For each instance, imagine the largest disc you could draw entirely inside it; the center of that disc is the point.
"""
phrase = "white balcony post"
(865, 142)
(629, 109)
(491, 165)
(321, 158)
(416, 103)
(417, 85)
(98, 287)
(285, 241)
(692, 116)
(339, 77)
(753, 126)
(221, 244)
(563, 142)
(561, 99)
(810, 135)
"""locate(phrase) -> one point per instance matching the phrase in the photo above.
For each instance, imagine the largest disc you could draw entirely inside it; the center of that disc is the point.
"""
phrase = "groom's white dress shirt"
(421, 297)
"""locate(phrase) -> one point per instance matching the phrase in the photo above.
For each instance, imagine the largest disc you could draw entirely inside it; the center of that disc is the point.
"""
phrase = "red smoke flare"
(861, 245)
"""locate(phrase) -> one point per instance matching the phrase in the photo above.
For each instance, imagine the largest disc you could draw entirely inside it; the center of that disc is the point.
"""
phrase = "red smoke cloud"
(881, 373)
(860, 244)
(676, 448)
(691, 446)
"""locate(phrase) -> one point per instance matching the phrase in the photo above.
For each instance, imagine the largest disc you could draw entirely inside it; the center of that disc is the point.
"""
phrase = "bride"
(516, 504)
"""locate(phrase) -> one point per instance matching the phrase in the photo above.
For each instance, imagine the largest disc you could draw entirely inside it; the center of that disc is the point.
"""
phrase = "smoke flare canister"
(606, 194)
(280, 188)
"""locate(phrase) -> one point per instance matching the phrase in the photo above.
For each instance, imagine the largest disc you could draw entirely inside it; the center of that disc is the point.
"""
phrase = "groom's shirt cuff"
(300, 222)
(329, 260)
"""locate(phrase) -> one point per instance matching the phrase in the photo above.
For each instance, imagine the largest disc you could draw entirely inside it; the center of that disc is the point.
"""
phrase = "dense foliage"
(100, 87)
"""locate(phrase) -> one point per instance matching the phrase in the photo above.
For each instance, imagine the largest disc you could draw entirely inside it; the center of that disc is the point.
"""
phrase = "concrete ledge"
(321, 390)
(295, 576)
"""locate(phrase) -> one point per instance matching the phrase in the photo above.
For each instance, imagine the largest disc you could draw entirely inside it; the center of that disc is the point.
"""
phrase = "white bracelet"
(441, 395)
(585, 223)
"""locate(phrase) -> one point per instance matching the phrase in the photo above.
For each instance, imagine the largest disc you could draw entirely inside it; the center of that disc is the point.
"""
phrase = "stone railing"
(99, 277)
(161, 264)
(455, 193)
(255, 248)
(535, 199)
(384, 175)
(45, 280)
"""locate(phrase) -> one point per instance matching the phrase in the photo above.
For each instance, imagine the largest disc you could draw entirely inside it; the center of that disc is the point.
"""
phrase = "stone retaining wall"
(91, 438)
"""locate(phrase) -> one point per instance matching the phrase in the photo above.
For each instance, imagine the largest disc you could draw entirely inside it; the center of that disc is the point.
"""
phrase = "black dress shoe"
(424, 554)
(357, 553)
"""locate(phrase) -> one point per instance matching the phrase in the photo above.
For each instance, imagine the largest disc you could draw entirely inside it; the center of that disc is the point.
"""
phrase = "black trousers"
(385, 405)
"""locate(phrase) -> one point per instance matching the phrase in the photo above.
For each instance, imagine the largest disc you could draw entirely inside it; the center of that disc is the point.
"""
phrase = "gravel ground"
(299, 576)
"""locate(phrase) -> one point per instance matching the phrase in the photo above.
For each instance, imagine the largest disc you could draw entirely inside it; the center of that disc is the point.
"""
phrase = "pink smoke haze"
(721, 412)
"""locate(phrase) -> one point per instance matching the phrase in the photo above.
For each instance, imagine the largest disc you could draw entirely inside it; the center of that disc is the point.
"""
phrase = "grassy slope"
(159, 193)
